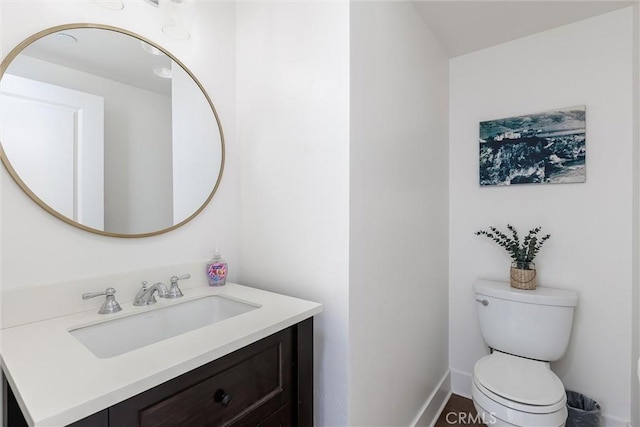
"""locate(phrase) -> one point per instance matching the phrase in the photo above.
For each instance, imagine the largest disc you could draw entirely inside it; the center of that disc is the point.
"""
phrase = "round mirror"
(108, 131)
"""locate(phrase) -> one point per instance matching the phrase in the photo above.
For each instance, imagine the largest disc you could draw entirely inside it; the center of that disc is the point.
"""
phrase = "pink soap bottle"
(217, 270)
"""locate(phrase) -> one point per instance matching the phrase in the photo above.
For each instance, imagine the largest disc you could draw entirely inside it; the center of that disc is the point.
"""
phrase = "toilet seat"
(517, 406)
(496, 412)
(516, 381)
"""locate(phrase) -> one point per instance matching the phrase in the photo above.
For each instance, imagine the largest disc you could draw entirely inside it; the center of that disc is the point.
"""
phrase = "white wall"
(38, 248)
(589, 62)
(398, 281)
(293, 112)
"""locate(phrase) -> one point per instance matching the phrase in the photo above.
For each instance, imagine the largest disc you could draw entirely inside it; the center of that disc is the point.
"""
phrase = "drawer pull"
(221, 397)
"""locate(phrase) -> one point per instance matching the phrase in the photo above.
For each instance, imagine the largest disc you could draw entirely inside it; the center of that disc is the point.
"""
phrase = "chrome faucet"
(174, 290)
(110, 304)
(145, 295)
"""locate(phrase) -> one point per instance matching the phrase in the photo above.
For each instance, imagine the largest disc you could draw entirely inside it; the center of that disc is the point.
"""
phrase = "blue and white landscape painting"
(538, 148)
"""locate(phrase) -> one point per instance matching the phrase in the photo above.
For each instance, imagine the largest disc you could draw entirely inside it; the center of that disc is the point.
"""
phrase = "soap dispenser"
(217, 270)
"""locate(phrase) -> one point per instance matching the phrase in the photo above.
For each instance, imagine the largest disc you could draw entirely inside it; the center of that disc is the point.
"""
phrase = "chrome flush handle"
(483, 302)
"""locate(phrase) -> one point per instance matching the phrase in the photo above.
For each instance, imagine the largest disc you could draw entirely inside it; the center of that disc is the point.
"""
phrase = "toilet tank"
(530, 323)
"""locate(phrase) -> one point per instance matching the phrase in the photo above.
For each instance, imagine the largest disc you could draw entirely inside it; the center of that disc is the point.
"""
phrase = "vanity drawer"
(232, 393)
(240, 389)
(282, 418)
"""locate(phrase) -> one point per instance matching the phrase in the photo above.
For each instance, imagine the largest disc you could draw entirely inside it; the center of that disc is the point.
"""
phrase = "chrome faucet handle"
(174, 290)
(176, 278)
(110, 304)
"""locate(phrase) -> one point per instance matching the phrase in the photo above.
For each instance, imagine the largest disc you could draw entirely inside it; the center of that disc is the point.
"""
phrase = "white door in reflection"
(40, 122)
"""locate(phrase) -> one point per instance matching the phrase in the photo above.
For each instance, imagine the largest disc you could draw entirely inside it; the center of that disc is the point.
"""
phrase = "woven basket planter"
(523, 275)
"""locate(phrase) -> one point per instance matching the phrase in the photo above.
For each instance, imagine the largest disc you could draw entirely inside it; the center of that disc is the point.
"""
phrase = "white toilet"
(526, 329)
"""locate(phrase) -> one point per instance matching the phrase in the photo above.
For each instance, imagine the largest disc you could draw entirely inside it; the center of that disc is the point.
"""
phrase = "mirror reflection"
(108, 132)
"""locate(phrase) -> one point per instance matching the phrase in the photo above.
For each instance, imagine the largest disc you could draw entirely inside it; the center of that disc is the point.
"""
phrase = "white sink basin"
(118, 336)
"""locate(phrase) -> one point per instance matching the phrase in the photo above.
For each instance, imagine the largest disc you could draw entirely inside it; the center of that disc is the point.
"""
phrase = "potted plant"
(523, 270)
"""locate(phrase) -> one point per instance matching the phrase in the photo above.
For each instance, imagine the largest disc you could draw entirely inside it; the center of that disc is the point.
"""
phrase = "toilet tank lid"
(541, 295)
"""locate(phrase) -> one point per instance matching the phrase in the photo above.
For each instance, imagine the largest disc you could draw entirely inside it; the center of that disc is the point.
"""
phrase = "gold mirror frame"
(19, 48)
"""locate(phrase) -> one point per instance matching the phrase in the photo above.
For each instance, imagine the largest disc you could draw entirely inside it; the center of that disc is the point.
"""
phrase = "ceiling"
(109, 54)
(462, 26)
(465, 26)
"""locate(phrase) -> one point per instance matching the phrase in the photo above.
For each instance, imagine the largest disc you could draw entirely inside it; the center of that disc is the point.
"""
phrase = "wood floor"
(458, 411)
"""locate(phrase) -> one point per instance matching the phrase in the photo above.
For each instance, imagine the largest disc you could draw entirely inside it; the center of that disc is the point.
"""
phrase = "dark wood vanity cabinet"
(242, 389)
(268, 383)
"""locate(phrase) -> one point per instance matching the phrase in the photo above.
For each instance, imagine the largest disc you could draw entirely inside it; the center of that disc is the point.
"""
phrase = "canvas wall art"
(538, 148)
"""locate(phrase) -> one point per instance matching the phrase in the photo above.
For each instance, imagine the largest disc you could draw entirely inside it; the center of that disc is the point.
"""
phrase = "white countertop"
(58, 381)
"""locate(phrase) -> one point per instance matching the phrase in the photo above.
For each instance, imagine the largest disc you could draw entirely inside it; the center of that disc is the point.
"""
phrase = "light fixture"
(163, 72)
(177, 16)
(151, 49)
(66, 38)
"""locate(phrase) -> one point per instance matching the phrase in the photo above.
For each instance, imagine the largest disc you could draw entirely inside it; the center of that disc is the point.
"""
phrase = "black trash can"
(583, 411)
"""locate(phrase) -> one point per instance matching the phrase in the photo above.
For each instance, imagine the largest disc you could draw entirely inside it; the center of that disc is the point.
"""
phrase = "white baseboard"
(430, 411)
(609, 421)
(461, 385)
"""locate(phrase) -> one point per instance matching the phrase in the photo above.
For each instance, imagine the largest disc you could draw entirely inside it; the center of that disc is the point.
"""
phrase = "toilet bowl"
(525, 329)
(509, 390)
